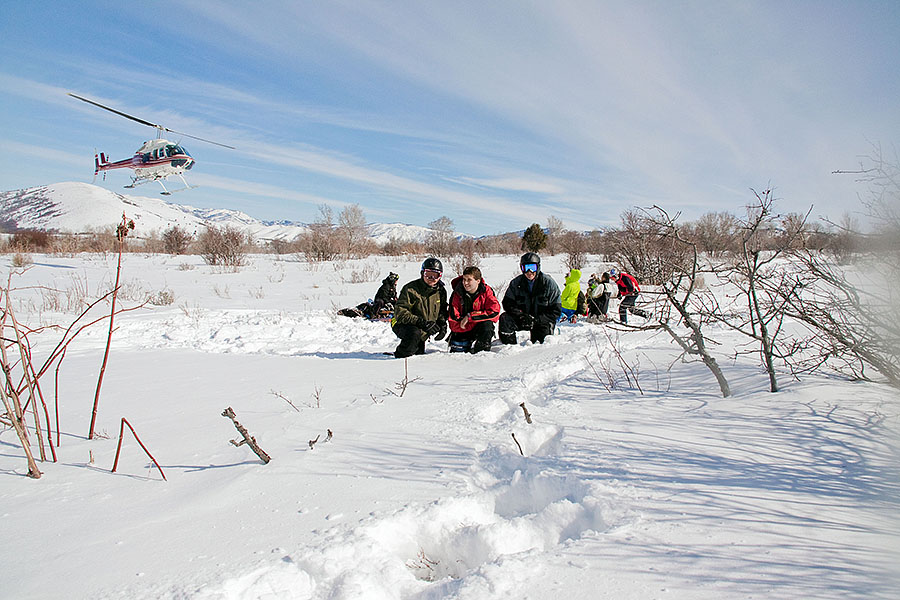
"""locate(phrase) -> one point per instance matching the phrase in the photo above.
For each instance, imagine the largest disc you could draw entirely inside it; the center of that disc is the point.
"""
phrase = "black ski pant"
(511, 323)
(480, 336)
(412, 340)
(627, 305)
(598, 305)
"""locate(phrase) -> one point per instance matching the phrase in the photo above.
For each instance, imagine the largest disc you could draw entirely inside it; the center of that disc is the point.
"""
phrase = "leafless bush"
(403, 383)
(574, 244)
(369, 272)
(441, 240)
(644, 248)
(610, 366)
(321, 241)
(30, 240)
(677, 271)
(854, 315)
(758, 274)
(352, 232)
(162, 298)
(393, 247)
(176, 240)
(555, 231)
(715, 233)
(20, 260)
(467, 256)
(226, 246)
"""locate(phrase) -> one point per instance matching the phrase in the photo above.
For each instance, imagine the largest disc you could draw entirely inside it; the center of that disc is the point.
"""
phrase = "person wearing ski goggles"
(532, 303)
(421, 310)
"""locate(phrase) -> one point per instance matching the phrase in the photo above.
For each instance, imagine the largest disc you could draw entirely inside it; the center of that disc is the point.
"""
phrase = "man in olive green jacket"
(421, 310)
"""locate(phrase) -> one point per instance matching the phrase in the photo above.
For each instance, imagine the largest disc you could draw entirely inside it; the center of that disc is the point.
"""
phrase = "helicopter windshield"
(174, 150)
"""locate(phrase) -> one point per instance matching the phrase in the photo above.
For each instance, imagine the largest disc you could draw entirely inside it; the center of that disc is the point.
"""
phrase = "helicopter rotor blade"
(148, 123)
(120, 113)
(194, 137)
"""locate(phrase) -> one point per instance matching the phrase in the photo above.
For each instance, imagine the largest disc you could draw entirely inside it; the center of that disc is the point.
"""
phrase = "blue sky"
(496, 114)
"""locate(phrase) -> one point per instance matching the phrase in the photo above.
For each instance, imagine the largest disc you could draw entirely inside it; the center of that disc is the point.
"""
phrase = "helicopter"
(155, 160)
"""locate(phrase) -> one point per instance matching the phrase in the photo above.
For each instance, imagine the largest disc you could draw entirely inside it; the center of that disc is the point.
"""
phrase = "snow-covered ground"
(660, 489)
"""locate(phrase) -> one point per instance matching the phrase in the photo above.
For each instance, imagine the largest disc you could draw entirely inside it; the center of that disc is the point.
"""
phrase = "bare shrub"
(176, 240)
(352, 231)
(226, 246)
(369, 272)
(321, 241)
(854, 314)
(20, 260)
(677, 271)
(644, 247)
(441, 240)
(467, 256)
(555, 231)
(65, 245)
(162, 298)
(757, 273)
(574, 244)
(392, 247)
(30, 240)
(715, 233)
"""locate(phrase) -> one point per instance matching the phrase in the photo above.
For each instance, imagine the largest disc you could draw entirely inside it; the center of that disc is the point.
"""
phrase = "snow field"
(673, 492)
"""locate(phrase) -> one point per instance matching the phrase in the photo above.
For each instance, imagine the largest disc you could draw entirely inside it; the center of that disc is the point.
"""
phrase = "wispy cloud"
(43, 153)
(516, 185)
(254, 188)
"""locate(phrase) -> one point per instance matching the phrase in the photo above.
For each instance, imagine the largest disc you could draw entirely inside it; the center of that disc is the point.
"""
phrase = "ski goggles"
(530, 267)
(431, 274)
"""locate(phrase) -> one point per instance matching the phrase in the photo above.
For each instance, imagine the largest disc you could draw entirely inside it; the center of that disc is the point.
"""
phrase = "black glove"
(442, 330)
(526, 320)
(431, 327)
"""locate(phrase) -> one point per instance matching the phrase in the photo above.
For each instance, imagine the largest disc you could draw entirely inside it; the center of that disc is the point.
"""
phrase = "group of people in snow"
(532, 302)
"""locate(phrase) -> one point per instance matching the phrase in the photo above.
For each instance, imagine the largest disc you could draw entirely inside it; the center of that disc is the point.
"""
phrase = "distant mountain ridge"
(75, 207)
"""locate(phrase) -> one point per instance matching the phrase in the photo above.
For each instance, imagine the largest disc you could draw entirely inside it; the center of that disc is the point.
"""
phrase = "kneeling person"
(473, 311)
(532, 303)
(421, 310)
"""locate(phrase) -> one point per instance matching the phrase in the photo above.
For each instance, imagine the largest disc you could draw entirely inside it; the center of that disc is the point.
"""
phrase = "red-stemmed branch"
(119, 447)
(121, 232)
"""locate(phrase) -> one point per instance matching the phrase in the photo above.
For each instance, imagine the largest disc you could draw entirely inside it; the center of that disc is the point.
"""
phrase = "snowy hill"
(75, 207)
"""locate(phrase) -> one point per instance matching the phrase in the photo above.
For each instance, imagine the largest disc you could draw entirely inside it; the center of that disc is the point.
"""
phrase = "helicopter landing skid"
(187, 186)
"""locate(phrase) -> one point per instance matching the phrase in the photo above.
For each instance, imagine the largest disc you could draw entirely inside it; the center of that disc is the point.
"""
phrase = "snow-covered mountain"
(75, 207)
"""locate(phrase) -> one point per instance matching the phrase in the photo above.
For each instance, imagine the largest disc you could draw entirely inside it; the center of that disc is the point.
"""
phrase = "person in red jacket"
(473, 311)
(628, 292)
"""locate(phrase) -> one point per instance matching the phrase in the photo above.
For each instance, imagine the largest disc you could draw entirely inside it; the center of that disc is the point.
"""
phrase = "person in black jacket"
(531, 303)
(385, 297)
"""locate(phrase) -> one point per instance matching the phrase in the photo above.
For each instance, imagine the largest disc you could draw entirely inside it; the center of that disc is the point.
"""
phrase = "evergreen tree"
(534, 239)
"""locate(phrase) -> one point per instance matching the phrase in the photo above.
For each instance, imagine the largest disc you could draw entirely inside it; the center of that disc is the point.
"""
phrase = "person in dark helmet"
(421, 310)
(531, 303)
